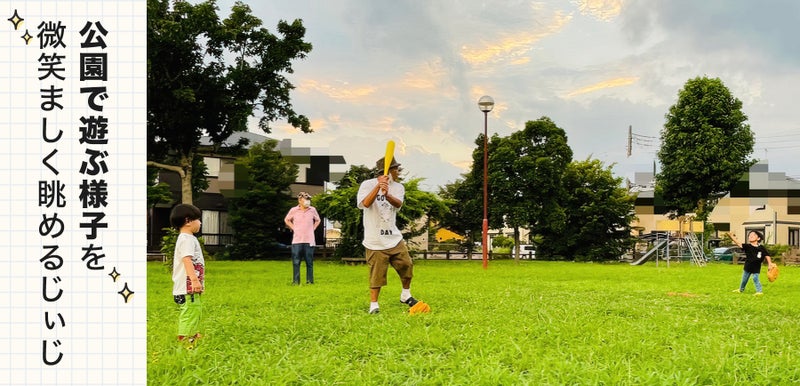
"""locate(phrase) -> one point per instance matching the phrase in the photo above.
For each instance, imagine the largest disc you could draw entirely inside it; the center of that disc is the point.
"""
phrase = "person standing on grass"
(302, 219)
(380, 198)
(188, 272)
(755, 254)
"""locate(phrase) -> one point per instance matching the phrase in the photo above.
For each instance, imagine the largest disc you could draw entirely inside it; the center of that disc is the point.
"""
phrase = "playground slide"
(649, 253)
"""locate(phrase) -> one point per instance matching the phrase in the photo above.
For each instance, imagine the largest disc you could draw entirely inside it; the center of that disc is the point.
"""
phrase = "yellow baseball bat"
(387, 158)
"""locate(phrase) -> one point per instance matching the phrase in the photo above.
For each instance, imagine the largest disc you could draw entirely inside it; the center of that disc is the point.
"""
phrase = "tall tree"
(705, 147)
(355, 175)
(340, 205)
(465, 215)
(207, 76)
(525, 175)
(508, 186)
(599, 212)
(472, 190)
(418, 204)
(260, 202)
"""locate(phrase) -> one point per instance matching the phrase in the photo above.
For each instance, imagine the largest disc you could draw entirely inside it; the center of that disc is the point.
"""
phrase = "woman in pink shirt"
(302, 219)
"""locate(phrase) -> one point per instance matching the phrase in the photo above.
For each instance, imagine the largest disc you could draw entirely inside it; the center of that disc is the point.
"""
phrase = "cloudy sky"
(412, 71)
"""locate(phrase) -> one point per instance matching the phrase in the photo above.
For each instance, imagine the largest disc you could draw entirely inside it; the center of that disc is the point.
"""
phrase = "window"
(216, 230)
(794, 237)
(211, 227)
(212, 165)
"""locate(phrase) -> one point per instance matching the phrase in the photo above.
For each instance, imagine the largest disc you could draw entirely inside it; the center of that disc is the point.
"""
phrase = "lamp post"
(486, 103)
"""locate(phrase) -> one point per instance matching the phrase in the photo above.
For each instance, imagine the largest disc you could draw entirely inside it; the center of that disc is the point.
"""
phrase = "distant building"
(761, 200)
(315, 172)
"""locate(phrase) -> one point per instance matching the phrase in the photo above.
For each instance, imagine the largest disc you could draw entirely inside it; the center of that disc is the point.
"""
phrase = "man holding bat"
(380, 198)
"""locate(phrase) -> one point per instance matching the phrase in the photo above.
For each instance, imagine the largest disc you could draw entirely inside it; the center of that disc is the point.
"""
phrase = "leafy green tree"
(418, 204)
(599, 212)
(257, 207)
(506, 189)
(157, 192)
(465, 215)
(207, 76)
(526, 169)
(355, 175)
(471, 192)
(501, 241)
(705, 147)
(340, 205)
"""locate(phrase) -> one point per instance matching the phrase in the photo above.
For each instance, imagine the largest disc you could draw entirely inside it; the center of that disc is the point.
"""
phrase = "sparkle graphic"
(126, 293)
(15, 20)
(114, 274)
(27, 37)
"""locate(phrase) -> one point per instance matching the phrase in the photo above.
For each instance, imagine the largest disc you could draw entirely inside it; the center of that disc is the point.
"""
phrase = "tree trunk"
(186, 187)
(184, 170)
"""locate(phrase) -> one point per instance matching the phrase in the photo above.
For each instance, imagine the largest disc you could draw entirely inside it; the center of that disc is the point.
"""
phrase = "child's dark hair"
(760, 236)
(182, 213)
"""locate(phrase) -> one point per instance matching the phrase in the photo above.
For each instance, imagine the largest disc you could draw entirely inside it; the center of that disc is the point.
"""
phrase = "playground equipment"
(669, 236)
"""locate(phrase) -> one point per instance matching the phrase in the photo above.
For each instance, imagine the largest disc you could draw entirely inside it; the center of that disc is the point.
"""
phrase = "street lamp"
(486, 103)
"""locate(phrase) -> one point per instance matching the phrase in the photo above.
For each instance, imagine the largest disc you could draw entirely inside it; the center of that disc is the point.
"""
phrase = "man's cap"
(379, 164)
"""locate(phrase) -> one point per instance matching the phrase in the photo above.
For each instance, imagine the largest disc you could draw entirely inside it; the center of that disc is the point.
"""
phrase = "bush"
(501, 241)
(776, 251)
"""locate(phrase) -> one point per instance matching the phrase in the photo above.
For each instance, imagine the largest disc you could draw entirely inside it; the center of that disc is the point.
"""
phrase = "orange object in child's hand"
(772, 273)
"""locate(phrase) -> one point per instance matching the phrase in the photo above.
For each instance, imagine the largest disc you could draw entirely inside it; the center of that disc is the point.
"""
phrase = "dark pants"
(306, 252)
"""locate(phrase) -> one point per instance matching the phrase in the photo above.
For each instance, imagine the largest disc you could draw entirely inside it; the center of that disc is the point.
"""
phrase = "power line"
(788, 134)
(779, 147)
(648, 142)
(641, 141)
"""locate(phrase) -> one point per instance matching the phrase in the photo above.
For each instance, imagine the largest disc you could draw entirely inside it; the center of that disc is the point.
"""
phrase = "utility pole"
(630, 138)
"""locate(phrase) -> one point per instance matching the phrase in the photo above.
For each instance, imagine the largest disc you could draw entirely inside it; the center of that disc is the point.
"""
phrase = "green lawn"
(535, 323)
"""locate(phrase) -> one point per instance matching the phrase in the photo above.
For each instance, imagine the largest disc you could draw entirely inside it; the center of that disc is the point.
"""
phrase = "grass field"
(535, 323)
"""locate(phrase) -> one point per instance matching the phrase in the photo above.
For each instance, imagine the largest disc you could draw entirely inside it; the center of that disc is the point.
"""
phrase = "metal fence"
(454, 255)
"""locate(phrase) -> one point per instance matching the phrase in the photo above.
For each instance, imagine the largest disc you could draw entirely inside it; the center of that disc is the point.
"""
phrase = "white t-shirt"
(380, 227)
(186, 245)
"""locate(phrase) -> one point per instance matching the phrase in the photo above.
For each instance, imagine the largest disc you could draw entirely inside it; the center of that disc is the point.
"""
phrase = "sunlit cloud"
(419, 82)
(606, 84)
(319, 125)
(605, 10)
(436, 142)
(386, 124)
(515, 47)
(521, 61)
(431, 76)
(342, 92)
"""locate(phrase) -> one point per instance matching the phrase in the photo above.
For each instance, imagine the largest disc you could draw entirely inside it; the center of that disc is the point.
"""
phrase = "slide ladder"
(698, 257)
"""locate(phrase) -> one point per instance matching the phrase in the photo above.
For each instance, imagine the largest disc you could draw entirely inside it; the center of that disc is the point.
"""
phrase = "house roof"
(234, 138)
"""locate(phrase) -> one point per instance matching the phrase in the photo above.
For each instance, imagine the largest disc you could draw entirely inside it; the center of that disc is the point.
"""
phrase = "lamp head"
(486, 103)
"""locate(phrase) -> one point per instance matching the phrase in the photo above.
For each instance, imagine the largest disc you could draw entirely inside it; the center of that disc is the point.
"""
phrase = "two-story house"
(316, 170)
(761, 200)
